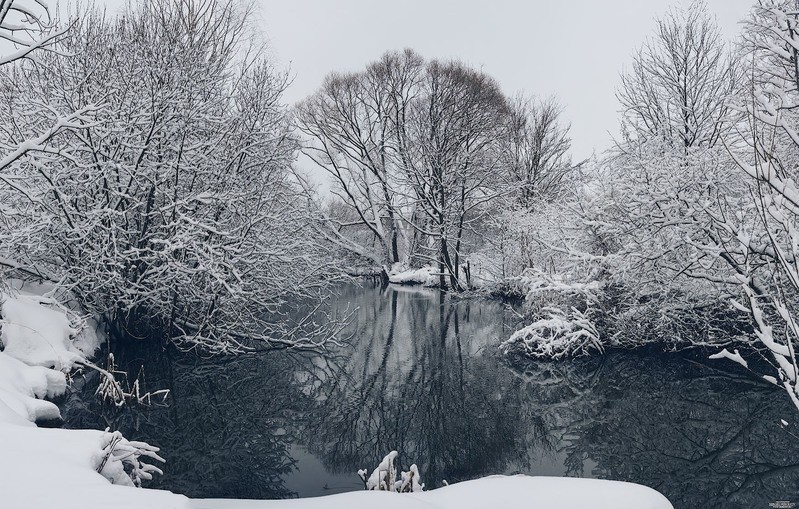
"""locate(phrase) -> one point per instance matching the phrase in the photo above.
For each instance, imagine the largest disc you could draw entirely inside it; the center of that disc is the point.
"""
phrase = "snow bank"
(402, 275)
(35, 337)
(497, 491)
(61, 468)
(21, 390)
(37, 334)
(44, 468)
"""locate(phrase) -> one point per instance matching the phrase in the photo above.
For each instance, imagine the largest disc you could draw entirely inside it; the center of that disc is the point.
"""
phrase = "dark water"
(423, 377)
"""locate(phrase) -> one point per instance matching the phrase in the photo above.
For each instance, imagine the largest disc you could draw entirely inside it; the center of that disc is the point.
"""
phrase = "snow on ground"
(56, 468)
(497, 491)
(36, 334)
(402, 275)
(44, 468)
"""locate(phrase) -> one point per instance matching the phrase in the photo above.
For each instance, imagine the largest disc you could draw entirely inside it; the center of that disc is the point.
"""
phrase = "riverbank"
(47, 467)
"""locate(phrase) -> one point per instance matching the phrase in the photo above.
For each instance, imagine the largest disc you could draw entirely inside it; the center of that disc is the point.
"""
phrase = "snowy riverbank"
(44, 467)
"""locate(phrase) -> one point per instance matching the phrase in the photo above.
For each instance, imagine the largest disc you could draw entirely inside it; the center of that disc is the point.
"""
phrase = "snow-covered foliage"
(411, 481)
(123, 461)
(562, 314)
(557, 334)
(119, 392)
(642, 222)
(761, 243)
(384, 477)
(172, 211)
(29, 26)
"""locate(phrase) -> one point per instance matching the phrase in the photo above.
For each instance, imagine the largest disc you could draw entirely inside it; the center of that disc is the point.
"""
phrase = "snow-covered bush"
(562, 313)
(111, 389)
(384, 477)
(122, 461)
(558, 334)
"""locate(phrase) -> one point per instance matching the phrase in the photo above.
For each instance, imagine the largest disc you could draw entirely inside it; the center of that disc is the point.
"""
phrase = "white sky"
(573, 49)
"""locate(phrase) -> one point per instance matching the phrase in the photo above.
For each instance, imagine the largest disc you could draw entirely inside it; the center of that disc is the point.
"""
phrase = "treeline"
(147, 169)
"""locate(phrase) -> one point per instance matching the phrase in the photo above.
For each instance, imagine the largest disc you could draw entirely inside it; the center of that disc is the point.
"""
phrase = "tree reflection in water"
(424, 381)
(422, 376)
(225, 431)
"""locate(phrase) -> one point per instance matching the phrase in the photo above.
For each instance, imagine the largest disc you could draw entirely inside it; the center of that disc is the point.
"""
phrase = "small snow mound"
(22, 386)
(402, 275)
(36, 334)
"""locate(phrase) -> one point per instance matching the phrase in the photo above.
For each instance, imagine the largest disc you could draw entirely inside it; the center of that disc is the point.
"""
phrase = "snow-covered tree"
(679, 81)
(174, 212)
(29, 29)
(355, 126)
(28, 26)
(761, 242)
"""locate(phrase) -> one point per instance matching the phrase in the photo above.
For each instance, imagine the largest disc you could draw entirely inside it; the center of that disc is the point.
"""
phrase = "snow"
(496, 491)
(58, 467)
(22, 386)
(76, 469)
(403, 275)
(37, 334)
(735, 357)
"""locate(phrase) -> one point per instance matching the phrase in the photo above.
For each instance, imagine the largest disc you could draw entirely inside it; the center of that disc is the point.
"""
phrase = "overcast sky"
(573, 49)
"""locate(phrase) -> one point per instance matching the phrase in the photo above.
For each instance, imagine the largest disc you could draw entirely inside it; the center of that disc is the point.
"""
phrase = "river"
(421, 374)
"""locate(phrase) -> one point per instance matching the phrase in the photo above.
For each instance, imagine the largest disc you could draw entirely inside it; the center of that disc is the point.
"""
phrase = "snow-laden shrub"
(558, 334)
(172, 210)
(122, 461)
(111, 389)
(562, 314)
(384, 477)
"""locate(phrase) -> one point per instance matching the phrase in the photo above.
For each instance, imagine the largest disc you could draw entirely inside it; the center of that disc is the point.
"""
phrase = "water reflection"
(226, 429)
(702, 437)
(424, 380)
(423, 377)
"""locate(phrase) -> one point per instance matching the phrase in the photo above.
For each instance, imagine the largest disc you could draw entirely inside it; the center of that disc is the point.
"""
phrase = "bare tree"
(414, 153)
(455, 133)
(355, 124)
(679, 81)
(538, 152)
